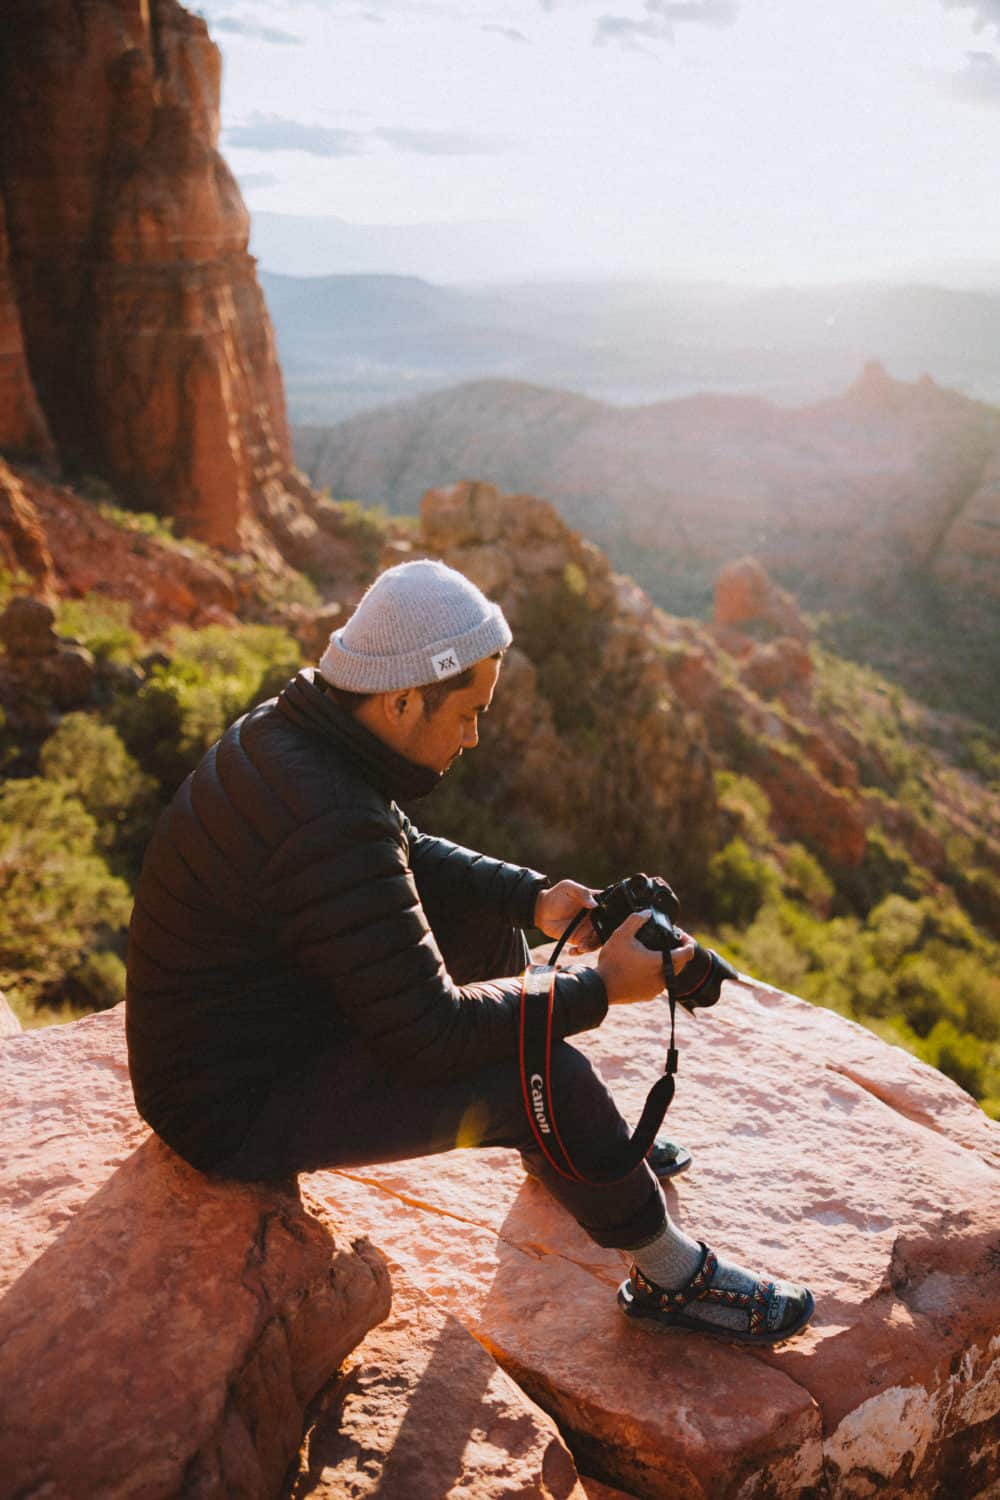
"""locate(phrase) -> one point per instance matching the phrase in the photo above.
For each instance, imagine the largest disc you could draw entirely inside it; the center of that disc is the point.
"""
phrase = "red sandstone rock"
(23, 545)
(151, 347)
(424, 1413)
(806, 806)
(820, 1153)
(744, 594)
(780, 666)
(597, 725)
(86, 553)
(22, 426)
(160, 1333)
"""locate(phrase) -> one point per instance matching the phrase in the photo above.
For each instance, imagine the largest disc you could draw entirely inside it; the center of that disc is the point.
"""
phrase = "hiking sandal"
(638, 1297)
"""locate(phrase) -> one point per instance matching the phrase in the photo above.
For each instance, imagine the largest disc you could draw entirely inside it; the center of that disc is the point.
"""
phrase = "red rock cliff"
(149, 344)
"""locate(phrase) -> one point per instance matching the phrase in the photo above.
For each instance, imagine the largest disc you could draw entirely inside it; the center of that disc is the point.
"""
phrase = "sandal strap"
(754, 1303)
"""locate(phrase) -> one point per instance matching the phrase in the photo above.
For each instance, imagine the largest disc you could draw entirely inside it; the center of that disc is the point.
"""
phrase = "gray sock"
(672, 1258)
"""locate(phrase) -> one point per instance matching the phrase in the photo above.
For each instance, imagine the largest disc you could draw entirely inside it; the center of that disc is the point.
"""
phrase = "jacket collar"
(306, 703)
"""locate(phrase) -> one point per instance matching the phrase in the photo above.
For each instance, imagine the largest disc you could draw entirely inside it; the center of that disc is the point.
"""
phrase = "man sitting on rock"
(314, 983)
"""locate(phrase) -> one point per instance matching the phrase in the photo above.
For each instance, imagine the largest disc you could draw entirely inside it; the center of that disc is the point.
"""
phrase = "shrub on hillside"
(738, 884)
(210, 678)
(102, 625)
(88, 759)
(59, 902)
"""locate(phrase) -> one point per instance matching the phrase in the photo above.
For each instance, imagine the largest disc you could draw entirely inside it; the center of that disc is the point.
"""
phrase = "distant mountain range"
(880, 503)
(351, 342)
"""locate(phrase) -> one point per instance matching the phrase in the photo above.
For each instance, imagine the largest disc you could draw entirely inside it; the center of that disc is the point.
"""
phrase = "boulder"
(779, 667)
(746, 596)
(26, 628)
(427, 1414)
(161, 1333)
(820, 1153)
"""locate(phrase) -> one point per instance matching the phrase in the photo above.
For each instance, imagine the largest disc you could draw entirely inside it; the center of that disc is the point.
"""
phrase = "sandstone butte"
(161, 1334)
(134, 339)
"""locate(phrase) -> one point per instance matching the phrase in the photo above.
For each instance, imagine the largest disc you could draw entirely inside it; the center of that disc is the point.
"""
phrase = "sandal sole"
(681, 1323)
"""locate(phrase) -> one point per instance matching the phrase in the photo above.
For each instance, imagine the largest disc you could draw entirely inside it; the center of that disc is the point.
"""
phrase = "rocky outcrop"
(40, 675)
(148, 340)
(160, 1333)
(587, 717)
(747, 598)
(820, 1152)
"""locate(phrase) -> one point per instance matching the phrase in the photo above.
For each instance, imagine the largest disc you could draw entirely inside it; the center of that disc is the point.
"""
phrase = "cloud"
(275, 133)
(510, 32)
(439, 142)
(977, 83)
(249, 180)
(661, 19)
(238, 27)
(987, 11)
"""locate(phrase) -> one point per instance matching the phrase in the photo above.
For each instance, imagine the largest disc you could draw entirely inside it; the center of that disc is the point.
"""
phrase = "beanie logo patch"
(445, 664)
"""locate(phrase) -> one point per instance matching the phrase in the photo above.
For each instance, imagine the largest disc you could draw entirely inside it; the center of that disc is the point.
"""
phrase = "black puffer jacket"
(280, 904)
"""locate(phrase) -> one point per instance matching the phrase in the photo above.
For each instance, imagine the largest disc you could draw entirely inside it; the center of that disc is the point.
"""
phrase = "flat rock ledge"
(161, 1334)
(822, 1154)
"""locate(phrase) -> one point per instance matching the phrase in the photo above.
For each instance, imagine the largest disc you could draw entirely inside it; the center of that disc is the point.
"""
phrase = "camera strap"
(535, 1055)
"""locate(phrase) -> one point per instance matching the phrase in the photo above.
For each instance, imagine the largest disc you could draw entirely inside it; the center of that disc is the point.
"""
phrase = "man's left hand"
(558, 905)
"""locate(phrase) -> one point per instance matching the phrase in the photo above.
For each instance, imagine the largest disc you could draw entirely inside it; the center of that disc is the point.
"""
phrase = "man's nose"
(470, 737)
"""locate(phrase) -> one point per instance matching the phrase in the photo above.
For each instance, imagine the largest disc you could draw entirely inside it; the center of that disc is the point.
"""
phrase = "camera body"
(700, 982)
(636, 893)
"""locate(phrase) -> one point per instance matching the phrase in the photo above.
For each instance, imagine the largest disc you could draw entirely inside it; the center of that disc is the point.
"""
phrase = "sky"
(744, 140)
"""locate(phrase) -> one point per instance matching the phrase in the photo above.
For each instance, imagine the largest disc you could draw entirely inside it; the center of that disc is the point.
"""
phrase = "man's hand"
(630, 970)
(558, 905)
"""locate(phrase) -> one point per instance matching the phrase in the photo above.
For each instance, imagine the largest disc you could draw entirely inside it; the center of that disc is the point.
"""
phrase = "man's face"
(438, 739)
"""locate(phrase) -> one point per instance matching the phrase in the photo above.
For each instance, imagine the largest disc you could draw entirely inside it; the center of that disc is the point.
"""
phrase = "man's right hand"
(630, 970)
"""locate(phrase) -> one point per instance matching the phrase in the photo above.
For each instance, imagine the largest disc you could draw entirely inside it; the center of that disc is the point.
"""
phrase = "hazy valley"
(350, 342)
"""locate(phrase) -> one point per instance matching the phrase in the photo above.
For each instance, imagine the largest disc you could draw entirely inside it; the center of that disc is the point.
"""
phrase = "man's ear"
(399, 705)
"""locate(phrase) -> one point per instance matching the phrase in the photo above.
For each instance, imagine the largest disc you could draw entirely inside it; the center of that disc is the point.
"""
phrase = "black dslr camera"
(700, 981)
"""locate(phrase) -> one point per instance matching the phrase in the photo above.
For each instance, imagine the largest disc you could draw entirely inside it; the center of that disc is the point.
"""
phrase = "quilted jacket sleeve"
(451, 877)
(346, 910)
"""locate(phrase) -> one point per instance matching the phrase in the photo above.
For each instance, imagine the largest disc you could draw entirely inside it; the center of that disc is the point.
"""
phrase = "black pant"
(344, 1108)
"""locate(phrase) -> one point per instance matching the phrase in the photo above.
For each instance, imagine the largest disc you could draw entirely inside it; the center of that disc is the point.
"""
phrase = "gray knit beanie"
(419, 622)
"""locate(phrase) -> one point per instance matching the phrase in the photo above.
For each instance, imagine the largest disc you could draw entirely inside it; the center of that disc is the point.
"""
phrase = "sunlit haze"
(737, 139)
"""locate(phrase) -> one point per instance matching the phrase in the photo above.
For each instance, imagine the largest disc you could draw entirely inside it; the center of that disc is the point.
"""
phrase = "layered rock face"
(819, 1153)
(148, 341)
